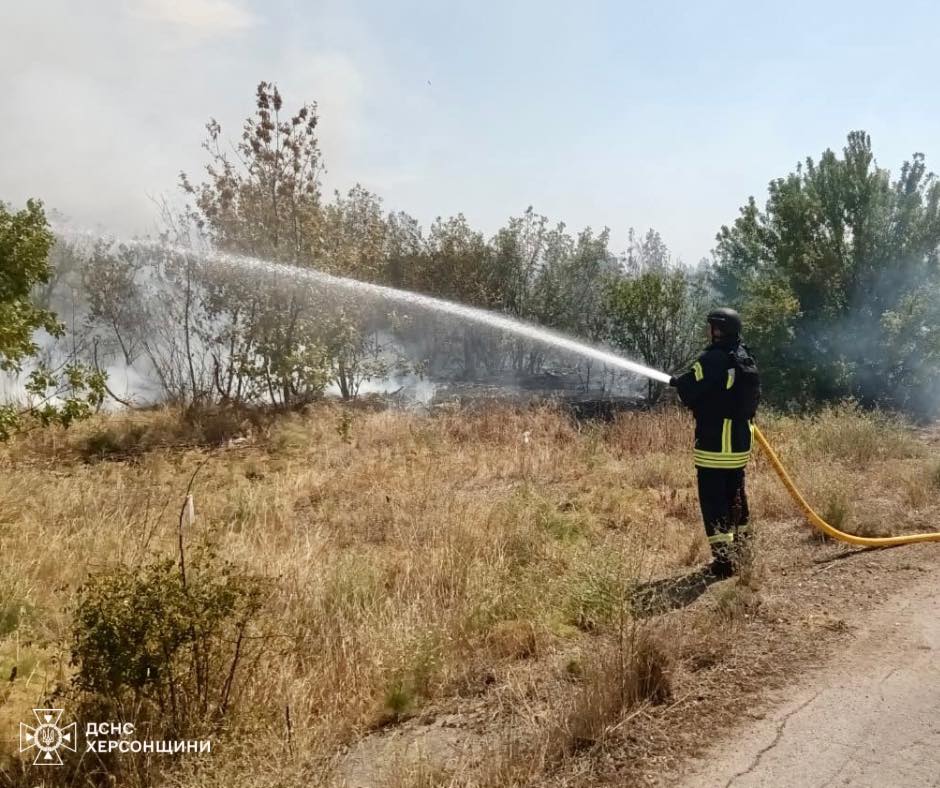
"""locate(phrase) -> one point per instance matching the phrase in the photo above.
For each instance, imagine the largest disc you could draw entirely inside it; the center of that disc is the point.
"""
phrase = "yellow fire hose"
(822, 525)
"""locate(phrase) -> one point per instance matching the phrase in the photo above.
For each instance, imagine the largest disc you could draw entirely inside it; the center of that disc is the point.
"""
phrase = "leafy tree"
(262, 332)
(355, 245)
(270, 339)
(354, 230)
(404, 251)
(585, 277)
(569, 291)
(58, 394)
(147, 307)
(520, 248)
(647, 253)
(656, 310)
(837, 278)
(266, 202)
(458, 265)
(25, 241)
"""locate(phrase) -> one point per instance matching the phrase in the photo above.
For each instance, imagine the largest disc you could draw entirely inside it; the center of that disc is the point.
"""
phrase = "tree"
(266, 202)
(569, 291)
(354, 245)
(458, 265)
(265, 336)
(656, 310)
(837, 279)
(404, 251)
(25, 241)
(271, 338)
(58, 394)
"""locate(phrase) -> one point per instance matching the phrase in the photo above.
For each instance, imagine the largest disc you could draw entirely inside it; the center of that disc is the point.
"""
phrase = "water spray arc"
(438, 305)
(530, 331)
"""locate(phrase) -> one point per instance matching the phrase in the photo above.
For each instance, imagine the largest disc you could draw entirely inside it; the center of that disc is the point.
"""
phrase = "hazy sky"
(660, 114)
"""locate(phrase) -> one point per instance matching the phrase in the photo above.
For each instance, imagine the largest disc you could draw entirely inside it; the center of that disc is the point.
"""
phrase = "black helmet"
(726, 320)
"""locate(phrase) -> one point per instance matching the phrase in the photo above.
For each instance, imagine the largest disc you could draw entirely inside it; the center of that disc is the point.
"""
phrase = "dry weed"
(613, 680)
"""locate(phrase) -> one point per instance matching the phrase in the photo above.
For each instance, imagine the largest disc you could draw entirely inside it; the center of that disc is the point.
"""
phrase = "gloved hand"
(673, 382)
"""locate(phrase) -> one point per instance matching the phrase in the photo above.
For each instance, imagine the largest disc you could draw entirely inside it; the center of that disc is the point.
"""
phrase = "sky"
(618, 114)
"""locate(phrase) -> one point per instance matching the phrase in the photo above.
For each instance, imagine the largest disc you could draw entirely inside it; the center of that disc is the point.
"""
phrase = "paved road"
(871, 718)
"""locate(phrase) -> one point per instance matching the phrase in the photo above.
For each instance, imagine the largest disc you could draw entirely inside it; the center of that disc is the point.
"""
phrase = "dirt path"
(869, 718)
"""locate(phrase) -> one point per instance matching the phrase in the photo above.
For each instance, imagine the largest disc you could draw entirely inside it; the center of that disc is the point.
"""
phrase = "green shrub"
(171, 648)
(838, 510)
(11, 614)
(398, 701)
(835, 508)
(412, 682)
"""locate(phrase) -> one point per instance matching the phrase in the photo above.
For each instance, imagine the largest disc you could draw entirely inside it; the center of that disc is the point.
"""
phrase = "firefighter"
(723, 390)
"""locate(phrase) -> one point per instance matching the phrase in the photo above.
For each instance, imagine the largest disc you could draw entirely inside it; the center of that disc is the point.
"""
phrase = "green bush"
(171, 647)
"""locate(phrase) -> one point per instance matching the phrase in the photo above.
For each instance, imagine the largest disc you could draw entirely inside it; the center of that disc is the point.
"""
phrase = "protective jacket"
(714, 389)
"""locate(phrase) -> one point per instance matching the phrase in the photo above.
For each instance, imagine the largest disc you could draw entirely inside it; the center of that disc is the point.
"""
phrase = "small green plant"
(412, 682)
(563, 526)
(596, 599)
(399, 699)
(838, 510)
(574, 669)
(734, 600)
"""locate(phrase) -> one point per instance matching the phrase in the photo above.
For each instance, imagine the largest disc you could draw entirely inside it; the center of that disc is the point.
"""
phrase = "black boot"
(722, 546)
(721, 567)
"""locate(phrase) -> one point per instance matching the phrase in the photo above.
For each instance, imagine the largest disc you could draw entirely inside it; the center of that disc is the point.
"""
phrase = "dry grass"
(855, 437)
(615, 680)
(418, 561)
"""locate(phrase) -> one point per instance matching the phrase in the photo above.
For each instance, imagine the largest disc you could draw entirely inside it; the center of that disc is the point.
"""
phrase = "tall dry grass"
(416, 560)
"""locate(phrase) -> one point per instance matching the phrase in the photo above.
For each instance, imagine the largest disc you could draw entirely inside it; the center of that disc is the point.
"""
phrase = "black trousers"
(723, 501)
